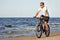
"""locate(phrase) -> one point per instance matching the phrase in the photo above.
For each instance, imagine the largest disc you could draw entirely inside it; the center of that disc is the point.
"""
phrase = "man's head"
(41, 4)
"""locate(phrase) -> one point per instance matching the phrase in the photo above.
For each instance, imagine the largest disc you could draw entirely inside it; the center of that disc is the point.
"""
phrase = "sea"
(25, 26)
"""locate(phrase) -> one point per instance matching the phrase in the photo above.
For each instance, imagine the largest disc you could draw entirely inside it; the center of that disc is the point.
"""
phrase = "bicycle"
(42, 29)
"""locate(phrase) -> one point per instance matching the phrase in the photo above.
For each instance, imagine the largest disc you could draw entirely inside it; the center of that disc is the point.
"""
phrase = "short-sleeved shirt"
(43, 11)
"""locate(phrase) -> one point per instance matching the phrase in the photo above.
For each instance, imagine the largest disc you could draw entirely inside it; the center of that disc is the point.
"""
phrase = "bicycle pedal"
(43, 31)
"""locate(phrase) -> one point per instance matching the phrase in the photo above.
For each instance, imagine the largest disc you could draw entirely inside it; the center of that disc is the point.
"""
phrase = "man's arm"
(37, 12)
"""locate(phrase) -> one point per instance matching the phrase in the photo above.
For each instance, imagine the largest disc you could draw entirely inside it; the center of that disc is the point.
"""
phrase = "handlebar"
(36, 17)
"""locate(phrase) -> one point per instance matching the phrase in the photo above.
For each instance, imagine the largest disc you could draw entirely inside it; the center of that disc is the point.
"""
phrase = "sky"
(27, 8)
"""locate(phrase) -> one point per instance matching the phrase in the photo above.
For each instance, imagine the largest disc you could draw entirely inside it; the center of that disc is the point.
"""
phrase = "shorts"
(45, 18)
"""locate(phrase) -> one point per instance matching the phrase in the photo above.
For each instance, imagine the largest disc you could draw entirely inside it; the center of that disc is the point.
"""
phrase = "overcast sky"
(27, 8)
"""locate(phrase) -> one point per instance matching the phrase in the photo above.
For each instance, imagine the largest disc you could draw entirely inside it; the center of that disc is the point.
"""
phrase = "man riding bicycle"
(45, 14)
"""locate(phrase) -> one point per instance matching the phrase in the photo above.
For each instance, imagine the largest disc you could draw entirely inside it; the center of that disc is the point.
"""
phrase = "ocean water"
(24, 26)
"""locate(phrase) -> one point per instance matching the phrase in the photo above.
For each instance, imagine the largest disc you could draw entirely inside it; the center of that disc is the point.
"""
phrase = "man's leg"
(46, 19)
(46, 25)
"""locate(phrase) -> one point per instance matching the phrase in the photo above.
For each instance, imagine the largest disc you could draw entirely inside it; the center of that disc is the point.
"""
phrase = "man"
(45, 14)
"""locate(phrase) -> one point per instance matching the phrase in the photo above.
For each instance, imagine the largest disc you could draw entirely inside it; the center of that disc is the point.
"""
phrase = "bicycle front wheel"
(39, 31)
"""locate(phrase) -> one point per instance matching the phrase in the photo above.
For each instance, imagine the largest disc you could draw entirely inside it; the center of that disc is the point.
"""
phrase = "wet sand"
(53, 36)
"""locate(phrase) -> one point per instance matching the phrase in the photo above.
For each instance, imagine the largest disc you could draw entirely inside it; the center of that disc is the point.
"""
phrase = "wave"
(54, 23)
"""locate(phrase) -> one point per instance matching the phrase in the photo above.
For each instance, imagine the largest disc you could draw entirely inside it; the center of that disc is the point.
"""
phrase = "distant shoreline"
(25, 17)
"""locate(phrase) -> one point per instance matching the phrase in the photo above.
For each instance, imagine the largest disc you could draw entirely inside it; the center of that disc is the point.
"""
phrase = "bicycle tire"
(39, 31)
(47, 32)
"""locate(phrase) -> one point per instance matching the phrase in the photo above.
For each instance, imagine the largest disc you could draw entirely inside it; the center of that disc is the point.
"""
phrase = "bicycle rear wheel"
(47, 32)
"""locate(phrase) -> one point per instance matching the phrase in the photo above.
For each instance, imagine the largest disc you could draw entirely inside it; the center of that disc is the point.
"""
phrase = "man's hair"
(42, 3)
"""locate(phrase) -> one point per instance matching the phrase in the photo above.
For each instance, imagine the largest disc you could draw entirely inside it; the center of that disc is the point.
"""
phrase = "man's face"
(41, 5)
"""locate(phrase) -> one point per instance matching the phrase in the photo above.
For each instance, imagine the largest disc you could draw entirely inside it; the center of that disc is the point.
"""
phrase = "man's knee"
(45, 23)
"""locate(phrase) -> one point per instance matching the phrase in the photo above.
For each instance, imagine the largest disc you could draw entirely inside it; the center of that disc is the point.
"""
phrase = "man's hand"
(34, 16)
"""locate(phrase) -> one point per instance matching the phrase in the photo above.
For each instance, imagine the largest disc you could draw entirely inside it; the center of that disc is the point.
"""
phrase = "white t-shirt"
(43, 11)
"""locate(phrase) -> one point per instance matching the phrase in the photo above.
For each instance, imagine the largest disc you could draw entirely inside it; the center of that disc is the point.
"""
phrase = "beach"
(24, 29)
(53, 36)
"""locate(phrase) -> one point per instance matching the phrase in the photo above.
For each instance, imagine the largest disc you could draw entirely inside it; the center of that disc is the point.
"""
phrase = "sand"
(53, 36)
